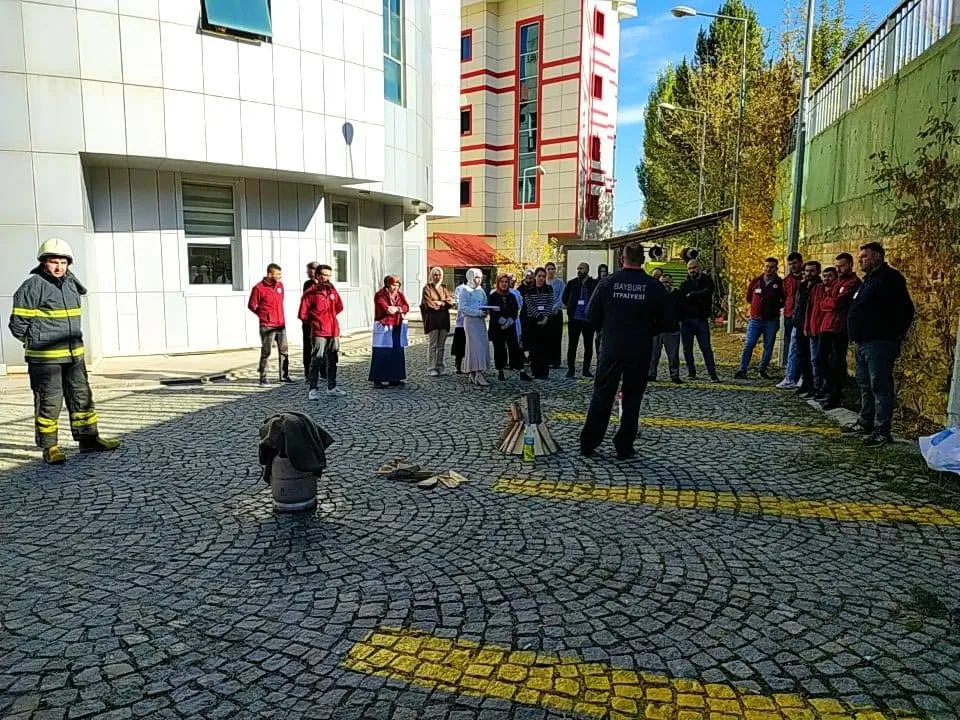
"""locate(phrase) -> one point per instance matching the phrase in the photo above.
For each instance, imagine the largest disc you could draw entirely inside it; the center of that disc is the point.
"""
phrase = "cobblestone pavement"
(749, 563)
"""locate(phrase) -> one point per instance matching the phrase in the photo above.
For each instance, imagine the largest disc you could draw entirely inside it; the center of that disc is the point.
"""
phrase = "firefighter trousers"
(51, 383)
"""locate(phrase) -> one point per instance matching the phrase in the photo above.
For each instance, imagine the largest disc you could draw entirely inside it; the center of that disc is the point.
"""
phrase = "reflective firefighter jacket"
(46, 317)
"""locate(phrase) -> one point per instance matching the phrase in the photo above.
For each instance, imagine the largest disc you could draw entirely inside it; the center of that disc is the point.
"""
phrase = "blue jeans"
(875, 376)
(793, 339)
(755, 330)
(814, 349)
(699, 329)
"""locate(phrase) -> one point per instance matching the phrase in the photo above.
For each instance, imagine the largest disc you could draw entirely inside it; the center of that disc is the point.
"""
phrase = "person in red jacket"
(834, 341)
(792, 326)
(388, 365)
(766, 296)
(266, 302)
(319, 307)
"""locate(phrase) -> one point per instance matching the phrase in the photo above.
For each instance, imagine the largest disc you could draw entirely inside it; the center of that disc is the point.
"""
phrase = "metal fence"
(908, 31)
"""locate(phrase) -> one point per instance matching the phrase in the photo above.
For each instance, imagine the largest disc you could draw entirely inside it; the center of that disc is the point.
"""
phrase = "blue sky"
(648, 43)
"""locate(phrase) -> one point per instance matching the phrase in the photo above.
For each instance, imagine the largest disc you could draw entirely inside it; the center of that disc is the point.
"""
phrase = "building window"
(209, 216)
(344, 243)
(466, 120)
(466, 192)
(595, 148)
(248, 19)
(466, 46)
(393, 51)
(593, 207)
(598, 87)
(598, 23)
(528, 111)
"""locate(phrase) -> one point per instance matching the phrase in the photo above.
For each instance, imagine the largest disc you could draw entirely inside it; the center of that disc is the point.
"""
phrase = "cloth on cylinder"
(296, 437)
(477, 356)
(389, 364)
(51, 383)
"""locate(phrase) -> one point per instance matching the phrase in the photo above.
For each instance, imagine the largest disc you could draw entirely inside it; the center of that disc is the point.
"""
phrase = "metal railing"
(908, 31)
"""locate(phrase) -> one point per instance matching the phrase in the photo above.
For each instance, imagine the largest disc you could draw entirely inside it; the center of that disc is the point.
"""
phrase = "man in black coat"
(576, 298)
(627, 307)
(878, 320)
(697, 294)
(669, 337)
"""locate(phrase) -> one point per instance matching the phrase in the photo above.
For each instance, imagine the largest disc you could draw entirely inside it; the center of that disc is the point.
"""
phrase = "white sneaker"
(786, 384)
(336, 392)
(313, 395)
(432, 373)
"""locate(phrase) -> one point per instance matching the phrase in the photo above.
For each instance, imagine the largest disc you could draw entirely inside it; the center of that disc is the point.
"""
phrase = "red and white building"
(538, 88)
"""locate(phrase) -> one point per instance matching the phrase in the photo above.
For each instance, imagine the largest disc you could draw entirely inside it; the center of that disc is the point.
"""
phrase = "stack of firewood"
(521, 413)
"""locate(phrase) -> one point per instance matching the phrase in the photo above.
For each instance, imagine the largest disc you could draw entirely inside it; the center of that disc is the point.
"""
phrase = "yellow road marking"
(731, 502)
(694, 385)
(567, 684)
(568, 416)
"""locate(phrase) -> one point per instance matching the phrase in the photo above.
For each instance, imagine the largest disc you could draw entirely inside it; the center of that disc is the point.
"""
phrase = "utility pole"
(793, 239)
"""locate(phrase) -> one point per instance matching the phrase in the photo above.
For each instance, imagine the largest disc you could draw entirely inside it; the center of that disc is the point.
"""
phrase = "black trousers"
(576, 328)
(307, 349)
(536, 341)
(269, 336)
(630, 374)
(832, 361)
(51, 383)
(324, 356)
(506, 346)
(555, 339)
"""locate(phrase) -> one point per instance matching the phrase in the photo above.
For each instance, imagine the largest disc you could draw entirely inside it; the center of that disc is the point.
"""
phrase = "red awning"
(464, 251)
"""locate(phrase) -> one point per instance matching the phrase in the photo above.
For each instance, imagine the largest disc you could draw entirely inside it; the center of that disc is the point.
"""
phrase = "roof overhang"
(662, 232)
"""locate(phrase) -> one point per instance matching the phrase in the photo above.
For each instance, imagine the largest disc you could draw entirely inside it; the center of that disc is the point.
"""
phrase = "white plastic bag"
(942, 451)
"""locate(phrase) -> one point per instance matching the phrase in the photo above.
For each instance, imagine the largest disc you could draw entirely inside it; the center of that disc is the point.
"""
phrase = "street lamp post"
(685, 11)
(523, 201)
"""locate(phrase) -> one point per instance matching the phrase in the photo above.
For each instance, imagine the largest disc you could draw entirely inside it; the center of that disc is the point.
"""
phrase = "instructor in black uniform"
(627, 307)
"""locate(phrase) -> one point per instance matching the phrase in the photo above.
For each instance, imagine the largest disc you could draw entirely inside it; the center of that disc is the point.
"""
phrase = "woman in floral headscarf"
(435, 304)
(388, 364)
(473, 301)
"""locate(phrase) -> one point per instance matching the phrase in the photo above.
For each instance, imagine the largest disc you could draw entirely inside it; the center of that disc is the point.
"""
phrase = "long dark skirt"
(458, 348)
(389, 365)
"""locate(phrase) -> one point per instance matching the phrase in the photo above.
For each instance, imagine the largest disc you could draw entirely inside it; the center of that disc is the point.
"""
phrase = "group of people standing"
(824, 310)
(320, 306)
(523, 323)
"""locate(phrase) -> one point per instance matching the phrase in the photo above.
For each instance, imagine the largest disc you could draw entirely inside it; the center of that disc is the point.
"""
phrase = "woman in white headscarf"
(435, 304)
(473, 299)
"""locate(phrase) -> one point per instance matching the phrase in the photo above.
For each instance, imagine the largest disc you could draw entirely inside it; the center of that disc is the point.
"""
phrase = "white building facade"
(180, 146)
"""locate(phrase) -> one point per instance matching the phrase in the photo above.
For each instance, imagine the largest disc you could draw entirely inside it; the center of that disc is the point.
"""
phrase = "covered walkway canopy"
(661, 232)
(464, 251)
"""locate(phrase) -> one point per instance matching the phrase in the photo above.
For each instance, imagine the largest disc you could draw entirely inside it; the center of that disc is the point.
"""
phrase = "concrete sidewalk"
(118, 375)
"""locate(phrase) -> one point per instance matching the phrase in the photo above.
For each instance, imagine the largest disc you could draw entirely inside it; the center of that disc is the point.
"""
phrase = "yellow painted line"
(567, 416)
(768, 505)
(567, 684)
(694, 385)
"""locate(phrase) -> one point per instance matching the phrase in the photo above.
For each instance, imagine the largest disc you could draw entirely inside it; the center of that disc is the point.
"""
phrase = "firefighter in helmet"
(46, 319)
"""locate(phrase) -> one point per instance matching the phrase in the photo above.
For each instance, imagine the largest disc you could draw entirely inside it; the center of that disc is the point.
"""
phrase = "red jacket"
(320, 306)
(832, 305)
(766, 299)
(791, 284)
(812, 321)
(266, 302)
(381, 301)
